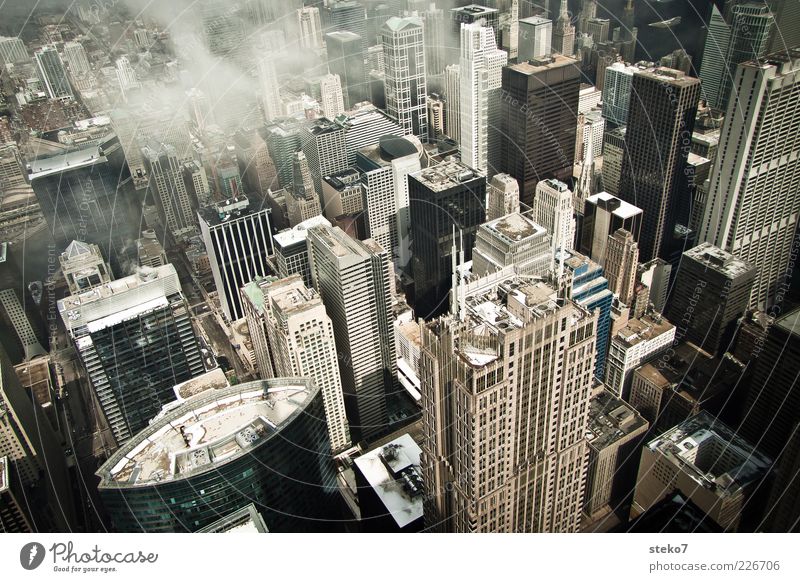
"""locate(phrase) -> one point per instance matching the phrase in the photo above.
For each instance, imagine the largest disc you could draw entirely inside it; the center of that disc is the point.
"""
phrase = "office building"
(331, 97)
(681, 382)
(614, 434)
(614, 153)
(475, 14)
(223, 29)
(135, 340)
(513, 240)
(604, 215)
(14, 512)
(269, 88)
(302, 199)
(503, 196)
(151, 252)
(446, 198)
(617, 84)
(76, 59)
(452, 94)
(552, 208)
(283, 140)
(353, 279)
(12, 50)
(83, 267)
(324, 146)
(437, 39)
(292, 335)
(12, 170)
(262, 442)
(564, 32)
(53, 74)
(662, 112)
(754, 190)
(742, 34)
(539, 104)
(19, 312)
(291, 250)
(710, 293)
(620, 265)
(436, 117)
(773, 396)
(640, 340)
(309, 26)
(405, 81)
(492, 355)
(384, 170)
(583, 282)
(479, 99)
(238, 238)
(126, 77)
(364, 127)
(345, 15)
(346, 59)
(706, 461)
(166, 185)
(342, 195)
(535, 38)
(390, 487)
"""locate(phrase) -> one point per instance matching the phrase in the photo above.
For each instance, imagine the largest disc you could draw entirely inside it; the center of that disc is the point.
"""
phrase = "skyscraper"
(480, 69)
(76, 59)
(406, 84)
(754, 190)
(340, 15)
(323, 143)
(662, 112)
(353, 279)
(269, 88)
(262, 442)
(535, 38)
(603, 215)
(126, 76)
(302, 199)
(552, 208)
(620, 265)
(512, 240)
(18, 312)
(12, 50)
(503, 196)
(168, 188)
(509, 351)
(710, 293)
(452, 94)
(539, 108)
(443, 197)
(293, 336)
(331, 97)
(53, 74)
(238, 238)
(310, 27)
(564, 33)
(136, 342)
(346, 59)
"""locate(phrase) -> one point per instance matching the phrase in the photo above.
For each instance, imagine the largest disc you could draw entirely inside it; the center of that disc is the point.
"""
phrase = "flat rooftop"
(244, 520)
(716, 259)
(616, 206)
(643, 329)
(542, 65)
(395, 474)
(212, 380)
(670, 76)
(299, 232)
(790, 322)
(445, 175)
(70, 160)
(712, 454)
(515, 227)
(228, 210)
(610, 420)
(206, 432)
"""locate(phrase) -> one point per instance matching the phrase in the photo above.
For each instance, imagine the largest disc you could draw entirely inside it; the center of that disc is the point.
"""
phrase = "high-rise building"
(708, 462)
(293, 336)
(604, 215)
(452, 94)
(340, 15)
(564, 32)
(165, 176)
(283, 140)
(126, 76)
(539, 106)
(510, 351)
(385, 168)
(583, 282)
(587, 12)
(662, 111)
(12, 170)
(754, 193)
(346, 59)
(309, 26)
(475, 14)
(353, 279)
(512, 240)
(76, 59)
(291, 250)
(331, 97)
(135, 340)
(302, 199)
(639, 340)
(710, 293)
(18, 311)
(613, 154)
(52, 73)
(599, 29)
(12, 50)
(742, 35)
(404, 63)
(269, 88)
(480, 67)
(223, 29)
(238, 239)
(437, 37)
(365, 127)
(503, 196)
(617, 85)
(552, 208)
(535, 38)
(14, 510)
(262, 442)
(622, 259)
(83, 194)
(83, 267)
(436, 117)
(323, 143)
(444, 198)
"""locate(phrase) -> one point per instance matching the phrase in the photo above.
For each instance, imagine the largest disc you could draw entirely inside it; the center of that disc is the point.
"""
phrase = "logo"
(31, 555)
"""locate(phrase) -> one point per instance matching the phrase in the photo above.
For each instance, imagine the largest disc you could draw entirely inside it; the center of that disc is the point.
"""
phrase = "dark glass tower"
(346, 59)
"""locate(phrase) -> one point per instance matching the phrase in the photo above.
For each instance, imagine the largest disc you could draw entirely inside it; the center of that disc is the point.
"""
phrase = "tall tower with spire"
(564, 33)
(628, 33)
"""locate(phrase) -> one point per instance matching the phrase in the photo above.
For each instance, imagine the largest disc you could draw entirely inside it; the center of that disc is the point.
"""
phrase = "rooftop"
(394, 472)
(207, 431)
(712, 257)
(790, 322)
(670, 76)
(211, 380)
(544, 64)
(515, 227)
(616, 206)
(232, 208)
(475, 9)
(69, 160)
(643, 329)
(712, 454)
(447, 174)
(611, 419)
(244, 520)
(299, 232)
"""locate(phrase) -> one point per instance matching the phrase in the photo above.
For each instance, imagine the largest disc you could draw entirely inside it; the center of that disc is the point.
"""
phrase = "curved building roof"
(207, 431)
